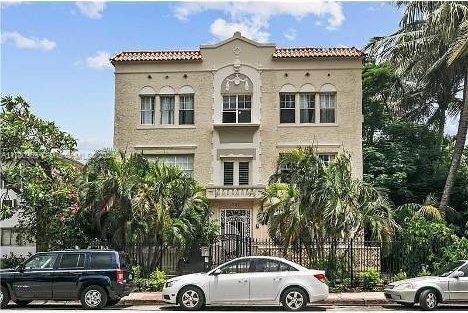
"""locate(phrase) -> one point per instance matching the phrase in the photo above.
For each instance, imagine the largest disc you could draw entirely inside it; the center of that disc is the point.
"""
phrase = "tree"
(34, 165)
(431, 47)
(311, 202)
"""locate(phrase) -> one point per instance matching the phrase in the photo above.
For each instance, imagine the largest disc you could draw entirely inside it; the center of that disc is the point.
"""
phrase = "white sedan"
(253, 280)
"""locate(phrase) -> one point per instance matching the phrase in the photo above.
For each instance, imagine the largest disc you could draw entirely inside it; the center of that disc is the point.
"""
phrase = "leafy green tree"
(33, 165)
(431, 48)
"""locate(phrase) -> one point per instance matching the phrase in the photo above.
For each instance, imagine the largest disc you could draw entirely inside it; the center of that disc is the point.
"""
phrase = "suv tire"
(93, 297)
(294, 299)
(112, 302)
(191, 298)
(428, 299)
(4, 297)
(22, 302)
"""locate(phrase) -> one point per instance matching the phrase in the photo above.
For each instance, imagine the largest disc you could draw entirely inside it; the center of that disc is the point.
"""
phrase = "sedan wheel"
(191, 298)
(4, 297)
(294, 299)
(428, 300)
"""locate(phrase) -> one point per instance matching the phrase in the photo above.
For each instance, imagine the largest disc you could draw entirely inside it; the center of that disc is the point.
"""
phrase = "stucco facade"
(237, 66)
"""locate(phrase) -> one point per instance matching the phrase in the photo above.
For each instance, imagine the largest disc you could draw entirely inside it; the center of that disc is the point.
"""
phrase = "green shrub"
(155, 282)
(369, 279)
(12, 260)
(424, 271)
(399, 276)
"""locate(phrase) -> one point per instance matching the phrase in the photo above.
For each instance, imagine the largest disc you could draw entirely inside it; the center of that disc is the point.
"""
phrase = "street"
(60, 307)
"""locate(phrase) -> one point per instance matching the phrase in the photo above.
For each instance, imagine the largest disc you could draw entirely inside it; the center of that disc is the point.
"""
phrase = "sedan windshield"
(448, 269)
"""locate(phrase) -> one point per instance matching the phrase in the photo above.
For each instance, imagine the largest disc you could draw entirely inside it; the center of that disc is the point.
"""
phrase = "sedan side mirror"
(458, 274)
(216, 272)
(19, 268)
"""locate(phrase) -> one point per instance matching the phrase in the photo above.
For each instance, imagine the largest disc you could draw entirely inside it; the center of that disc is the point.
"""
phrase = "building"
(225, 112)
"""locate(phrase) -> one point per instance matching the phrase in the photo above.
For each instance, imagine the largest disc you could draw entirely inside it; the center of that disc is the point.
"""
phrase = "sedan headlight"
(170, 283)
(404, 286)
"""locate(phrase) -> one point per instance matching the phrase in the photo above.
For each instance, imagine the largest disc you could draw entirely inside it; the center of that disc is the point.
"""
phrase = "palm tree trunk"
(459, 147)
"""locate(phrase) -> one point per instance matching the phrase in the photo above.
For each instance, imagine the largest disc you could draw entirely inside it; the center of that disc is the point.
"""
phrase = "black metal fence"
(348, 263)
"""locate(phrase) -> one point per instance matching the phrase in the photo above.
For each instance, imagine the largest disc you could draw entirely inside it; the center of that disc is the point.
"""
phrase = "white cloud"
(9, 3)
(23, 42)
(254, 17)
(223, 29)
(99, 61)
(290, 34)
(91, 9)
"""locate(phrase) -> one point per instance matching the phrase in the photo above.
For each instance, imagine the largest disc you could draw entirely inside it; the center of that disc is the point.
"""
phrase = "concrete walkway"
(345, 298)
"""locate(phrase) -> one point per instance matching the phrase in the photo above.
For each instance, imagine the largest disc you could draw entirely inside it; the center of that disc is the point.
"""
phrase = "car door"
(35, 281)
(67, 275)
(266, 279)
(458, 287)
(232, 285)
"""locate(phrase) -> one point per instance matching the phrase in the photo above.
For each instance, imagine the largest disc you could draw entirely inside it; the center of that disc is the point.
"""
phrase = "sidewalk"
(345, 298)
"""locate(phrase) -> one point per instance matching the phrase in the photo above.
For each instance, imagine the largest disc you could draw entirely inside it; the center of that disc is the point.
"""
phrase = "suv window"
(41, 262)
(100, 260)
(241, 266)
(72, 260)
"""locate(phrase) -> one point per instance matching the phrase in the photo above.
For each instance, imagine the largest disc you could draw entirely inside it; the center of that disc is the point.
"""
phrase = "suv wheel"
(428, 300)
(294, 299)
(93, 297)
(22, 302)
(191, 298)
(4, 297)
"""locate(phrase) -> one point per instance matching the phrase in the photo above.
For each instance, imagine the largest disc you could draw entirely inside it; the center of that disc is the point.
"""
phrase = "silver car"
(450, 284)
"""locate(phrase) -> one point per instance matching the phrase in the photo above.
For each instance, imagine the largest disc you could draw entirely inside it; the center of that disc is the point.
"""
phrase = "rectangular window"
(287, 108)
(186, 110)
(147, 110)
(183, 161)
(228, 173)
(9, 237)
(167, 109)
(243, 173)
(237, 109)
(327, 108)
(327, 157)
(72, 260)
(307, 102)
(101, 261)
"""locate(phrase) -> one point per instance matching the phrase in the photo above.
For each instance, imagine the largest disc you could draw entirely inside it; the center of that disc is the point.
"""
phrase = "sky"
(56, 54)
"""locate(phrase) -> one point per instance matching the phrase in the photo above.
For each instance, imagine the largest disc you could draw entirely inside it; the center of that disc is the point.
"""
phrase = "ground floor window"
(327, 157)
(184, 161)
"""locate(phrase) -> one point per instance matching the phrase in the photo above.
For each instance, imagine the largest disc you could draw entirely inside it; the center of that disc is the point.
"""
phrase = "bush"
(369, 279)
(155, 282)
(401, 275)
(12, 260)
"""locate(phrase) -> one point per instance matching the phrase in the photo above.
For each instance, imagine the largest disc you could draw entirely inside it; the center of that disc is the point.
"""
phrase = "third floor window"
(167, 109)
(237, 109)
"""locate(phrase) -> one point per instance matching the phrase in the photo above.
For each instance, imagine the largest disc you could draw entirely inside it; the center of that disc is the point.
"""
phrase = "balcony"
(234, 192)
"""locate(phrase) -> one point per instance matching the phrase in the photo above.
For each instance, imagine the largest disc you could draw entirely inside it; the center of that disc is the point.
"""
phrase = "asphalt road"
(60, 307)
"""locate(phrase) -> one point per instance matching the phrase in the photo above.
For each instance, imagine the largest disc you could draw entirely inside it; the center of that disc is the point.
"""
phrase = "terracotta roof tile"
(175, 55)
(282, 53)
(195, 55)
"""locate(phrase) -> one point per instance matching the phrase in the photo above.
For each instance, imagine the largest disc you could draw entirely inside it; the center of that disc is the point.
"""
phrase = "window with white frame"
(307, 106)
(327, 157)
(9, 237)
(186, 109)
(167, 109)
(236, 173)
(327, 107)
(237, 109)
(287, 108)
(183, 161)
(147, 110)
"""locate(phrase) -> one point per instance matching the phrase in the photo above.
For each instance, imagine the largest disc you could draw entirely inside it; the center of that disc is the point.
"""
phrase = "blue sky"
(55, 54)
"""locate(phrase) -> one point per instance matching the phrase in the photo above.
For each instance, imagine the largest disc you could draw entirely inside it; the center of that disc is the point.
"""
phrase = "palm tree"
(431, 46)
(110, 181)
(312, 202)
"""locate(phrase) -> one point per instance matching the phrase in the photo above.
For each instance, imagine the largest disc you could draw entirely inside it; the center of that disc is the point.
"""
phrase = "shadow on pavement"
(442, 307)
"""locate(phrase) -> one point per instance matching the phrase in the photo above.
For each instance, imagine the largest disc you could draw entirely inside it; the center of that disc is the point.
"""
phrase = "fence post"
(351, 262)
(300, 251)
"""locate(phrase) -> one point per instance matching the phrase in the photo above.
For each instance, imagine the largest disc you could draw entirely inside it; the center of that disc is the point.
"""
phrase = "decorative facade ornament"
(237, 80)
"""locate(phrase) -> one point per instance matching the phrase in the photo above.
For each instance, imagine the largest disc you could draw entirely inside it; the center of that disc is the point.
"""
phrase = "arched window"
(288, 104)
(147, 103)
(237, 90)
(307, 103)
(327, 104)
(186, 105)
(167, 100)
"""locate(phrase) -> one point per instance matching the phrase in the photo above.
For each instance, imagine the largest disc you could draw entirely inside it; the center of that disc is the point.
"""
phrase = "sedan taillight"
(120, 275)
(320, 277)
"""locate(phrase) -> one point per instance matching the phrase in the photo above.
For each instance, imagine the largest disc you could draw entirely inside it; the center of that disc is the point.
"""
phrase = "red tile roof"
(195, 55)
(175, 55)
(285, 53)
